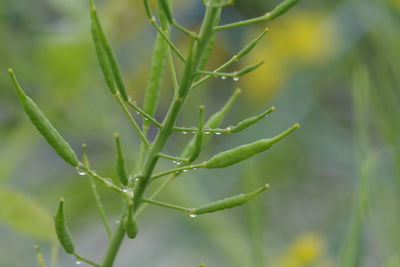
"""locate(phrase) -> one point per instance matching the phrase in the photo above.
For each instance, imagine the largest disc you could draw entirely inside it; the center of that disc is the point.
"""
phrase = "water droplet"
(194, 169)
(194, 132)
(206, 132)
(146, 119)
(174, 162)
(185, 171)
(193, 215)
(178, 162)
(218, 133)
(117, 221)
(78, 262)
(223, 77)
(81, 170)
(184, 132)
(236, 79)
(125, 189)
(137, 112)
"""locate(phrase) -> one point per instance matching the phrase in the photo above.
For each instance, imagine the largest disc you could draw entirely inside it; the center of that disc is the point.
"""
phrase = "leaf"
(25, 215)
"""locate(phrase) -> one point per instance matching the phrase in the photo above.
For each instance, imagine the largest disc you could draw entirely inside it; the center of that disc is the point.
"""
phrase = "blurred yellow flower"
(299, 39)
(395, 3)
(305, 250)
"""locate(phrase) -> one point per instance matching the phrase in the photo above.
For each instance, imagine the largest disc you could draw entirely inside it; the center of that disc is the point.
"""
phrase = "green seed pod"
(165, 7)
(62, 231)
(101, 55)
(147, 8)
(42, 124)
(198, 142)
(250, 121)
(152, 94)
(282, 8)
(213, 122)
(250, 68)
(240, 153)
(249, 47)
(109, 52)
(228, 203)
(121, 166)
(207, 30)
(130, 222)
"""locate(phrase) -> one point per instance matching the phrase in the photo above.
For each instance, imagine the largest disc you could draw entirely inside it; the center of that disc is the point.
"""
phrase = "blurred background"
(330, 65)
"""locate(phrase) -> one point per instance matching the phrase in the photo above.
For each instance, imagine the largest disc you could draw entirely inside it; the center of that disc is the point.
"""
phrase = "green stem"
(165, 205)
(99, 206)
(81, 258)
(114, 245)
(185, 168)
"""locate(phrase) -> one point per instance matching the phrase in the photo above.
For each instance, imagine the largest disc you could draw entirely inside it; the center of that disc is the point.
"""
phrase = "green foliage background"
(311, 55)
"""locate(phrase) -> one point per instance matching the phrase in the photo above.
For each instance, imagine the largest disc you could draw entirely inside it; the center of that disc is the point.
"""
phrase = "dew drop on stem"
(81, 171)
(78, 262)
(236, 79)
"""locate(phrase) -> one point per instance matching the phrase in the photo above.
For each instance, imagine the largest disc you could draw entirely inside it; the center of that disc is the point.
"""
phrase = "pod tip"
(266, 29)
(201, 107)
(296, 126)
(10, 70)
(238, 91)
(62, 200)
(116, 135)
(273, 108)
(130, 203)
(84, 145)
(266, 186)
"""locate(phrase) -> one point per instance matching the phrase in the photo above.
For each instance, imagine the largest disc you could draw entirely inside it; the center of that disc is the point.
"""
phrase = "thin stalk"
(171, 157)
(100, 207)
(170, 43)
(185, 31)
(81, 258)
(143, 113)
(165, 205)
(173, 71)
(185, 168)
(132, 120)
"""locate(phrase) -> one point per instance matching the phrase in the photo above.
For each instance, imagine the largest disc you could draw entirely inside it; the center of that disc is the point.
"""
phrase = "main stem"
(166, 129)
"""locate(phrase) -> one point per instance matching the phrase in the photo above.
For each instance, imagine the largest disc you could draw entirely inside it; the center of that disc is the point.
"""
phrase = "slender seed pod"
(101, 55)
(250, 68)
(160, 53)
(121, 166)
(164, 5)
(205, 55)
(62, 230)
(42, 124)
(199, 136)
(250, 121)
(282, 8)
(213, 122)
(130, 222)
(147, 8)
(109, 52)
(240, 153)
(228, 203)
(249, 47)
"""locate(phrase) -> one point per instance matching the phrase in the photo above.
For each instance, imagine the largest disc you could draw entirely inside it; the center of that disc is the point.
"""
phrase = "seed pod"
(250, 68)
(240, 153)
(62, 230)
(228, 203)
(121, 166)
(130, 222)
(165, 7)
(247, 49)
(250, 121)
(101, 55)
(109, 52)
(152, 93)
(282, 8)
(213, 122)
(147, 8)
(199, 136)
(43, 125)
